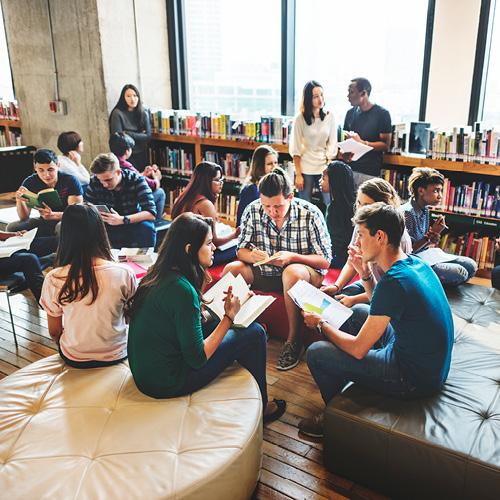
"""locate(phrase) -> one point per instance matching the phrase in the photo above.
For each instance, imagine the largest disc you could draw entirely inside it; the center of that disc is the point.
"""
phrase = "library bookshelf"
(8, 128)
(198, 145)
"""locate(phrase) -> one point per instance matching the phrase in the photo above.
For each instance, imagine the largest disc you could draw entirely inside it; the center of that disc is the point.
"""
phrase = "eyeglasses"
(218, 181)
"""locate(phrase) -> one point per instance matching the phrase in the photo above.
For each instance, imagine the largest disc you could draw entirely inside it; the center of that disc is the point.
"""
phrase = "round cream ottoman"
(90, 434)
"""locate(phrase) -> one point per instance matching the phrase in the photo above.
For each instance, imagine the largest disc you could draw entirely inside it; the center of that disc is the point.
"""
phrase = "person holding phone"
(171, 353)
(426, 188)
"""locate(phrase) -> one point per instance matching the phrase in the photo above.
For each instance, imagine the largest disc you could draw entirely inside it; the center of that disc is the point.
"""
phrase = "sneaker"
(313, 426)
(289, 356)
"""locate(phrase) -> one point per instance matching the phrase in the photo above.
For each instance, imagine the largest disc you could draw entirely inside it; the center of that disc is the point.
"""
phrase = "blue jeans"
(355, 288)
(221, 257)
(159, 199)
(332, 368)
(310, 181)
(142, 234)
(28, 264)
(455, 272)
(245, 345)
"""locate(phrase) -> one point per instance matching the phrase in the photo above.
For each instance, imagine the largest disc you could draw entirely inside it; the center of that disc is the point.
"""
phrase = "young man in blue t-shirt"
(399, 345)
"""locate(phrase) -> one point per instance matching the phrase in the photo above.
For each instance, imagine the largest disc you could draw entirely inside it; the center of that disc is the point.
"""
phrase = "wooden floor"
(292, 465)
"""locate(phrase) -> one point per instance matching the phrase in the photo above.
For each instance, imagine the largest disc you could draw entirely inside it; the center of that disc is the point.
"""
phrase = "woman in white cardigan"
(71, 146)
(313, 142)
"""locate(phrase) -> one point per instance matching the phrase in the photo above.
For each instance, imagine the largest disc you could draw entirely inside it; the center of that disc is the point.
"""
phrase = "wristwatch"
(319, 326)
(126, 220)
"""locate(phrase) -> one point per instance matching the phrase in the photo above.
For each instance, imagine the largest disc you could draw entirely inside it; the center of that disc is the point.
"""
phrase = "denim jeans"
(245, 345)
(159, 199)
(142, 234)
(310, 181)
(332, 368)
(28, 264)
(45, 227)
(455, 272)
(355, 288)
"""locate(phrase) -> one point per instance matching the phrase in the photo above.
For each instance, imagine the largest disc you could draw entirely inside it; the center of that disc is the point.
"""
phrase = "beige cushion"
(68, 433)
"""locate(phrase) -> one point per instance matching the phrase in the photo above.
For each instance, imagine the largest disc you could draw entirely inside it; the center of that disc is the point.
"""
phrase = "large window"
(381, 41)
(233, 55)
(6, 90)
(491, 110)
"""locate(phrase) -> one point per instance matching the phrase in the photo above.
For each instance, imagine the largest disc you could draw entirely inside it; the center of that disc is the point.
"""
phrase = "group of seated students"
(398, 340)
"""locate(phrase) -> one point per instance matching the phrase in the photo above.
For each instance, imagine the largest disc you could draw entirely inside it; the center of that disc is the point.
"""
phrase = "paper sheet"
(16, 243)
(352, 146)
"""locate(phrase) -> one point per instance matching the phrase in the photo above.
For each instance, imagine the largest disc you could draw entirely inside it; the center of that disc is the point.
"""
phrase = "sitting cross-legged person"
(46, 176)
(426, 189)
(131, 215)
(172, 350)
(89, 290)
(294, 233)
(400, 345)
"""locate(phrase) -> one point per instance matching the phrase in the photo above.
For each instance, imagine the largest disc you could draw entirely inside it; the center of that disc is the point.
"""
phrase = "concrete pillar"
(97, 51)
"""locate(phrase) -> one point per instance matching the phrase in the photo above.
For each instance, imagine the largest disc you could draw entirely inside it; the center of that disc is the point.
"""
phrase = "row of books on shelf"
(478, 198)
(479, 248)
(10, 138)
(227, 204)
(269, 129)
(9, 110)
(471, 144)
(180, 161)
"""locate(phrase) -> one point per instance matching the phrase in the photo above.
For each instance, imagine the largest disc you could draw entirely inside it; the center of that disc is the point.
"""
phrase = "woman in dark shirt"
(130, 117)
(170, 353)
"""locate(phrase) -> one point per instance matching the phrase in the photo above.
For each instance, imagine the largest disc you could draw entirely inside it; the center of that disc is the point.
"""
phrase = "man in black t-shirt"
(370, 124)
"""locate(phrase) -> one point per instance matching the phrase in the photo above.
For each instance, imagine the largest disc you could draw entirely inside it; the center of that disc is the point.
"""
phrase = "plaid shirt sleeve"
(320, 237)
(144, 196)
(247, 225)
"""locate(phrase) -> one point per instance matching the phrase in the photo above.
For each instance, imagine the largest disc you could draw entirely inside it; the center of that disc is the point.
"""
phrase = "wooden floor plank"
(287, 487)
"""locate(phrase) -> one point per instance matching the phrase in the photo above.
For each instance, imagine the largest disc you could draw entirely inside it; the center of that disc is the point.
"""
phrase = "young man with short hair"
(129, 199)
(426, 188)
(46, 176)
(369, 124)
(400, 345)
(278, 222)
(121, 144)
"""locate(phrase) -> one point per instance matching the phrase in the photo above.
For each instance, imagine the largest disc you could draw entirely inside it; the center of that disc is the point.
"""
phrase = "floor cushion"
(69, 433)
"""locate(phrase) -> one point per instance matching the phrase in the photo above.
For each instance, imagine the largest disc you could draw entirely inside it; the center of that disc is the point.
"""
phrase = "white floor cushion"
(68, 433)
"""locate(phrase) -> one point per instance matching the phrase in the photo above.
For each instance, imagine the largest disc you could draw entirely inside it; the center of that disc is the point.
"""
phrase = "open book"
(311, 299)
(16, 243)
(252, 306)
(275, 256)
(48, 196)
(224, 230)
(357, 148)
(435, 256)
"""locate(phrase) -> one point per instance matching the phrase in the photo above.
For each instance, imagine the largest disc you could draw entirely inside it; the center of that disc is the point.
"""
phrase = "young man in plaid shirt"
(130, 222)
(278, 222)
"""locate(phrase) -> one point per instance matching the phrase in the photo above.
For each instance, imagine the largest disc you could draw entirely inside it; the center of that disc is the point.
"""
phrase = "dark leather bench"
(447, 446)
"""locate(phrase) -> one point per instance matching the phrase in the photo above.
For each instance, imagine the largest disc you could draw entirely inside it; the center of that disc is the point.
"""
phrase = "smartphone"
(103, 208)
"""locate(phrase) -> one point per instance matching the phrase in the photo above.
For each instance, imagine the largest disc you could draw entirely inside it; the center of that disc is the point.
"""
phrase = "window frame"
(482, 60)
(178, 55)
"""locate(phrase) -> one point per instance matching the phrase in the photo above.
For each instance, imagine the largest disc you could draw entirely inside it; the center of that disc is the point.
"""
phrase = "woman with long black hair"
(170, 353)
(129, 116)
(200, 196)
(338, 181)
(89, 290)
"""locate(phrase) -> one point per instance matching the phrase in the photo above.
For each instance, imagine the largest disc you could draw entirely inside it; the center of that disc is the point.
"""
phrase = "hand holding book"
(232, 304)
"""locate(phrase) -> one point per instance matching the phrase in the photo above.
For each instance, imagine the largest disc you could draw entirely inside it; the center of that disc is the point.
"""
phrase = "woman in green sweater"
(170, 352)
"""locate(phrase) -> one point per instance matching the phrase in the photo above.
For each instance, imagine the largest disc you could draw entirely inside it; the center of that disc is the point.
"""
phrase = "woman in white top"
(85, 296)
(71, 146)
(313, 142)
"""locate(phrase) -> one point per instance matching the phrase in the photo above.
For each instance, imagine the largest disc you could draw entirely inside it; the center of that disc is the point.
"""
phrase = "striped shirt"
(133, 196)
(304, 232)
(417, 219)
